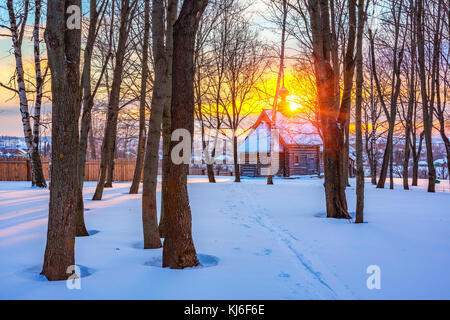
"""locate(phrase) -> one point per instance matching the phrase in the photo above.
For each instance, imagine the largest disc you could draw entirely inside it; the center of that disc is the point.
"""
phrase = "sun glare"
(293, 107)
(293, 103)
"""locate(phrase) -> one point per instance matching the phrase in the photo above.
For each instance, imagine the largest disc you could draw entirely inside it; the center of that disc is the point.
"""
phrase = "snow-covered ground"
(255, 241)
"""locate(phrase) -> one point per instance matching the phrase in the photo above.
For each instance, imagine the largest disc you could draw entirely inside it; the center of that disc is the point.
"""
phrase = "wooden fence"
(19, 169)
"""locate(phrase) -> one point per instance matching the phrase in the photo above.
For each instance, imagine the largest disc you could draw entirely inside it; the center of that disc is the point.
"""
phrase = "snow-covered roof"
(292, 131)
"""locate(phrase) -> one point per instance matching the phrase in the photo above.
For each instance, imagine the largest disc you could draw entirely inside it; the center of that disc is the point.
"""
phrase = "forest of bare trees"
(121, 76)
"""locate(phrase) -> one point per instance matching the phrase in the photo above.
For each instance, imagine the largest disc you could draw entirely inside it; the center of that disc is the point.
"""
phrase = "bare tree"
(142, 103)
(88, 103)
(427, 103)
(245, 67)
(209, 59)
(442, 66)
(275, 101)
(179, 251)
(172, 12)
(390, 114)
(160, 92)
(109, 139)
(161, 95)
(32, 135)
(332, 115)
(358, 116)
(64, 47)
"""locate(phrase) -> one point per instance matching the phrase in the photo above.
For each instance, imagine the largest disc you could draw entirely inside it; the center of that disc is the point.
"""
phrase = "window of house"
(296, 159)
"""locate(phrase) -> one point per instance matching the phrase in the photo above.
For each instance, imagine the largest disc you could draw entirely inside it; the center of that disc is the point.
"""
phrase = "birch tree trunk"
(63, 46)
(32, 142)
(37, 172)
(179, 251)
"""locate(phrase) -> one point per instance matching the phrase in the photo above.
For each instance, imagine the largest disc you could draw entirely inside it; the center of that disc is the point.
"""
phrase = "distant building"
(298, 149)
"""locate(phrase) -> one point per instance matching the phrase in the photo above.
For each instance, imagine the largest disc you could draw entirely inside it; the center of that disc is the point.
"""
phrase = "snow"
(254, 241)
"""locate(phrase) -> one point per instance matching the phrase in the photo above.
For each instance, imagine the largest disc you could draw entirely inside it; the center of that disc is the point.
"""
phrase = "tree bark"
(237, 172)
(64, 46)
(416, 158)
(358, 116)
(172, 12)
(149, 209)
(179, 251)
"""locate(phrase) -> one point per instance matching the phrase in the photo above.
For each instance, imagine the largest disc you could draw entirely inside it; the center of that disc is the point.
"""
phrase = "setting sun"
(293, 103)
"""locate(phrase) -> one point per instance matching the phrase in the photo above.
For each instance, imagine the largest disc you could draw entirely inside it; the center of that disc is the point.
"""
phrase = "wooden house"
(297, 150)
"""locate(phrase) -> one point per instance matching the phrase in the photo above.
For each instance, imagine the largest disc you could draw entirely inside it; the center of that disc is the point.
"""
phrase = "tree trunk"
(165, 197)
(172, 11)
(179, 251)
(141, 144)
(391, 168)
(64, 46)
(358, 116)
(410, 111)
(92, 141)
(406, 161)
(427, 113)
(109, 139)
(332, 118)
(149, 209)
(275, 101)
(237, 173)
(416, 158)
(345, 109)
(88, 103)
(209, 160)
